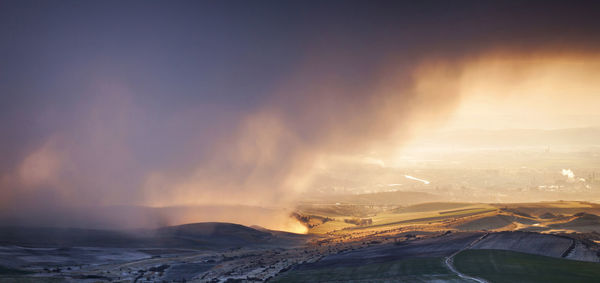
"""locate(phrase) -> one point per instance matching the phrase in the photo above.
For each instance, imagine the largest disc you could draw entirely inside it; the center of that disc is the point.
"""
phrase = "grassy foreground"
(508, 266)
(407, 270)
(12, 271)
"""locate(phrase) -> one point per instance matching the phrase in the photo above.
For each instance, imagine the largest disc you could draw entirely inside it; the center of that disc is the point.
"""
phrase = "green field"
(10, 275)
(398, 217)
(508, 266)
(12, 271)
(407, 270)
(20, 279)
(390, 219)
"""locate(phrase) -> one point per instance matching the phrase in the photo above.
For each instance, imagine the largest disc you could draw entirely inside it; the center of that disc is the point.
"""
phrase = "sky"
(170, 103)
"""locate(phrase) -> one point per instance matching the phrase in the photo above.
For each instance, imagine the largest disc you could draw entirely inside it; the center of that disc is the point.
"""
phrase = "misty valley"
(499, 214)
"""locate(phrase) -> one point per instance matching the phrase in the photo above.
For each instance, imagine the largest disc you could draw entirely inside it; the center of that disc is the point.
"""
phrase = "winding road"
(450, 261)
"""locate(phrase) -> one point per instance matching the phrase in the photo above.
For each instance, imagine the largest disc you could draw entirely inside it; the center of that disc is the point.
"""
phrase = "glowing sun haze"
(239, 104)
(529, 91)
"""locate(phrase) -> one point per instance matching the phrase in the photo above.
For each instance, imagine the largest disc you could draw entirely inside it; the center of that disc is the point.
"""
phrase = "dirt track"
(450, 261)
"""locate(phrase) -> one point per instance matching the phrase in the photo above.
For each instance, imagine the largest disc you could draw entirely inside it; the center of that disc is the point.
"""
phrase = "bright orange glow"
(544, 91)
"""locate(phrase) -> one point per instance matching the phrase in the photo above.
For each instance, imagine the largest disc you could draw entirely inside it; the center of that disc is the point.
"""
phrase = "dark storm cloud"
(157, 102)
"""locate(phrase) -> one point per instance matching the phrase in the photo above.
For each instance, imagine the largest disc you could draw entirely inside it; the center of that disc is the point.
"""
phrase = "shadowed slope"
(193, 236)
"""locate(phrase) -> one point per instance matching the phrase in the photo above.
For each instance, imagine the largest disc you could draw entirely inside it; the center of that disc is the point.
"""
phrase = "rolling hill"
(194, 236)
